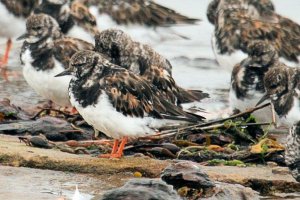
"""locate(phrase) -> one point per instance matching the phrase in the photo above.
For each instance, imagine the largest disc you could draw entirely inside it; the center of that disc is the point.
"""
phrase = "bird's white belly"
(46, 85)
(289, 63)
(262, 115)
(104, 117)
(227, 61)
(294, 115)
(11, 26)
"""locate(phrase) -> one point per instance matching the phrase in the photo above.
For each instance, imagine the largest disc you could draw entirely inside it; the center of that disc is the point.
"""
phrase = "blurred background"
(188, 47)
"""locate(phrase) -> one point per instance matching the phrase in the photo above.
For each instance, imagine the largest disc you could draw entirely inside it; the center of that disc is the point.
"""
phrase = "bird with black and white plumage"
(256, 6)
(236, 25)
(282, 86)
(144, 61)
(45, 53)
(13, 14)
(118, 102)
(74, 18)
(247, 79)
(142, 12)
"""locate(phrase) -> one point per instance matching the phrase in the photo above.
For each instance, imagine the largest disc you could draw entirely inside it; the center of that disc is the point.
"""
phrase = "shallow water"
(27, 184)
(194, 67)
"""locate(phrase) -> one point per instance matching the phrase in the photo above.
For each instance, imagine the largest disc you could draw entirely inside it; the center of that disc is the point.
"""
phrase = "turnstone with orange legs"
(142, 60)
(143, 12)
(74, 18)
(283, 88)
(247, 86)
(13, 15)
(45, 53)
(237, 25)
(117, 102)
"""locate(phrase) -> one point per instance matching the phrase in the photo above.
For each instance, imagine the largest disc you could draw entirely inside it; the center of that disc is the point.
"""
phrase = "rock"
(40, 142)
(280, 170)
(142, 189)
(272, 164)
(56, 137)
(36, 141)
(186, 173)
(225, 191)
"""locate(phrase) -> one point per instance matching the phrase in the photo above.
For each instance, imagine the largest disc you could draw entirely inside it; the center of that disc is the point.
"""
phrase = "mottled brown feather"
(239, 30)
(144, 12)
(83, 17)
(64, 48)
(20, 8)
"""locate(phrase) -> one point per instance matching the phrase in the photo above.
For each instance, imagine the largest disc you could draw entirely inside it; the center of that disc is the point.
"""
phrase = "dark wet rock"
(225, 191)
(45, 125)
(162, 151)
(186, 173)
(9, 111)
(36, 141)
(56, 137)
(171, 147)
(142, 189)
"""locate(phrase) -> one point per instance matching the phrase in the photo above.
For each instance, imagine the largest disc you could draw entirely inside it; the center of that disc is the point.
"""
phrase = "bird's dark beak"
(264, 98)
(24, 36)
(64, 73)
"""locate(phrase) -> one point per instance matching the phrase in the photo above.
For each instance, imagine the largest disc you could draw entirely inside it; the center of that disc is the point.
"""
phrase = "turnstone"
(13, 15)
(283, 88)
(237, 25)
(259, 6)
(142, 60)
(74, 19)
(143, 12)
(247, 86)
(117, 102)
(45, 53)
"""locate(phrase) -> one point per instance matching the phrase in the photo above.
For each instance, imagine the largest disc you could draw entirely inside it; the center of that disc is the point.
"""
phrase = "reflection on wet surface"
(44, 184)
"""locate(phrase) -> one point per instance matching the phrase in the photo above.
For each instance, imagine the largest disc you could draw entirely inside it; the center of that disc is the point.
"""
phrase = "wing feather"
(64, 49)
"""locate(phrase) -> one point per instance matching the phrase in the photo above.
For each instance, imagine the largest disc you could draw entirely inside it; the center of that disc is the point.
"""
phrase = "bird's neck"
(285, 103)
(41, 53)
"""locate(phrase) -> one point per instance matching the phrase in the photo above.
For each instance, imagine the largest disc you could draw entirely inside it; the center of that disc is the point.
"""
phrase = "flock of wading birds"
(124, 88)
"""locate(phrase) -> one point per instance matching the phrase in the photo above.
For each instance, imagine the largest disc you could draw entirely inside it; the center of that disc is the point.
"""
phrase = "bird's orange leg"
(119, 153)
(4, 60)
(113, 151)
(73, 111)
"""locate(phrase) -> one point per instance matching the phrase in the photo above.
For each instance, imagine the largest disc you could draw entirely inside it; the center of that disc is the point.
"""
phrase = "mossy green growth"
(217, 162)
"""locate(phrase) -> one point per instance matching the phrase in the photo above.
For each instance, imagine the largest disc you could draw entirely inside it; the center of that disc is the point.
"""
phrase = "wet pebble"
(56, 137)
(36, 141)
(186, 173)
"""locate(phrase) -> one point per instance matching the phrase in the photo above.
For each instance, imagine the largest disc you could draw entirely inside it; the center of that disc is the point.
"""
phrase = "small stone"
(186, 173)
(137, 174)
(281, 170)
(272, 164)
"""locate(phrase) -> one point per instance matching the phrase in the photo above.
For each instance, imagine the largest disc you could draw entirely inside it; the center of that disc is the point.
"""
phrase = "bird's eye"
(37, 28)
(273, 86)
(78, 64)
